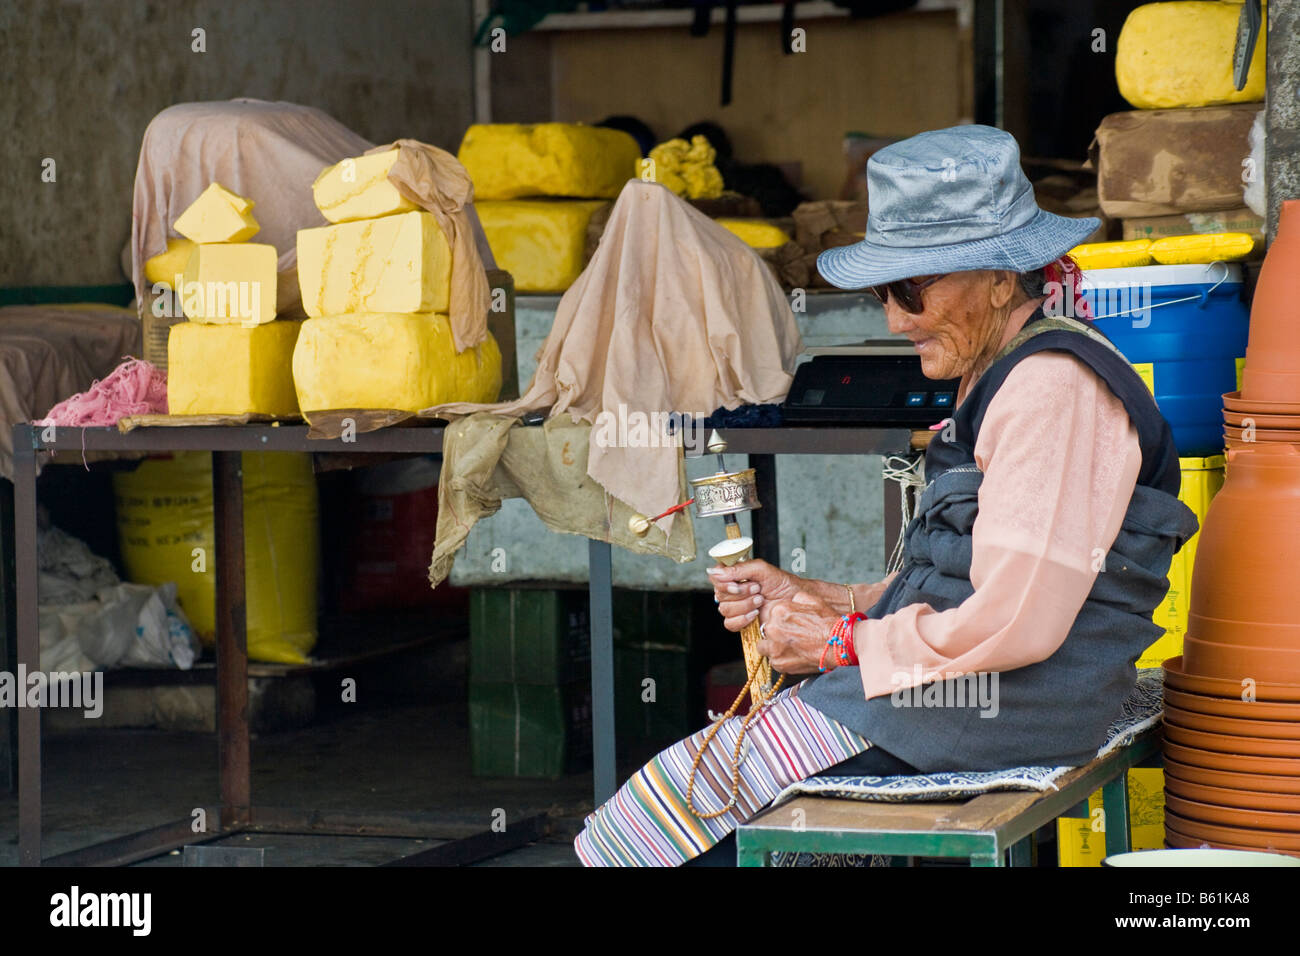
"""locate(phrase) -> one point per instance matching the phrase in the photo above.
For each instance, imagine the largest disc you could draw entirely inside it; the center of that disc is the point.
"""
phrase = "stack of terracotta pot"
(1232, 701)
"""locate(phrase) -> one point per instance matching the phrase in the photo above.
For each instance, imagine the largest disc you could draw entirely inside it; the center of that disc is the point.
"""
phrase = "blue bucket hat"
(951, 200)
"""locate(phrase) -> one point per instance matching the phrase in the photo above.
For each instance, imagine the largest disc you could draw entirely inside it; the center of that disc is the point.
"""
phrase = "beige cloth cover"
(271, 153)
(51, 352)
(673, 313)
(268, 152)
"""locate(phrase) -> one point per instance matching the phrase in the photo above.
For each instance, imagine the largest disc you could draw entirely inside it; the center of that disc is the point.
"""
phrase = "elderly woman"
(1039, 551)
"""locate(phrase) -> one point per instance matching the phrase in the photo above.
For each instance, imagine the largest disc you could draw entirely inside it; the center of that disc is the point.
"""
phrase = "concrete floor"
(107, 783)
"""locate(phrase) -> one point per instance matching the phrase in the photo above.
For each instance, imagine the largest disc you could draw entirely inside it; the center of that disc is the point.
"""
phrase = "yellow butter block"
(232, 369)
(166, 266)
(540, 242)
(358, 188)
(756, 232)
(1202, 248)
(1113, 255)
(390, 361)
(395, 264)
(1179, 54)
(218, 215)
(230, 283)
(512, 161)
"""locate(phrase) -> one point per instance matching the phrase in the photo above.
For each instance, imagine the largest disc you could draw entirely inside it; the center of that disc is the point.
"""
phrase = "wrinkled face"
(962, 324)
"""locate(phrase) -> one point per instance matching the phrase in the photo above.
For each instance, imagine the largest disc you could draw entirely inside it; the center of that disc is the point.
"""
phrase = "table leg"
(233, 750)
(893, 517)
(601, 592)
(29, 650)
(1114, 802)
(764, 522)
(9, 643)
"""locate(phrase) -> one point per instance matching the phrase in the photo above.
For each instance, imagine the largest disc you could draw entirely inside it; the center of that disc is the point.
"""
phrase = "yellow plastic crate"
(1082, 841)
(1202, 479)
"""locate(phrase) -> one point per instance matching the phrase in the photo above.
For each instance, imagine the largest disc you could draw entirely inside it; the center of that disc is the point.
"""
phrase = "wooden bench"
(991, 829)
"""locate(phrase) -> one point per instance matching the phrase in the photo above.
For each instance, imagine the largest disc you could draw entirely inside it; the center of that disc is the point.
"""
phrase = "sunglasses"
(906, 292)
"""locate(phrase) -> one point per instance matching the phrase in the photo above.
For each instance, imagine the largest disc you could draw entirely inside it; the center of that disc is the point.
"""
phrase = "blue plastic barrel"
(1185, 327)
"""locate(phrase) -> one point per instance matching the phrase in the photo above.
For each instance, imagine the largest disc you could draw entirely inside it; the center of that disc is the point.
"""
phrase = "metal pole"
(233, 752)
(604, 757)
(29, 649)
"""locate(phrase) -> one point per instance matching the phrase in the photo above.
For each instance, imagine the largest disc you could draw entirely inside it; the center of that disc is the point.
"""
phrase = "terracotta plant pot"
(1236, 763)
(1288, 436)
(1179, 679)
(1230, 780)
(1232, 401)
(1177, 841)
(1230, 707)
(1272, 372)
(1240, 634)
(1247, 552)
(1260, 420)
(1242, 799)
(1232, 816)
(1241, 662)
(1216, 833)
(1272, 729)
(1229, 837)
(1232, 743)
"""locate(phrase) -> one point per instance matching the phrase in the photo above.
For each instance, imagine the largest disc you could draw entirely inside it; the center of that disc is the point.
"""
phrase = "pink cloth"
(1060, 460)
(135, 387)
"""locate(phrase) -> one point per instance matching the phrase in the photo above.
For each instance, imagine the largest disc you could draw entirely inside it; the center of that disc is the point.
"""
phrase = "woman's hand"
(743, 588)
(795, 632)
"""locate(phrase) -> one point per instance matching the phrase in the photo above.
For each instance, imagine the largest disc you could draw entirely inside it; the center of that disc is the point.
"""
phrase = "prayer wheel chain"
(735, 755)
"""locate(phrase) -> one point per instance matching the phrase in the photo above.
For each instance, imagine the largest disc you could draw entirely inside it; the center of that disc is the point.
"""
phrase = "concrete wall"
(85, 77)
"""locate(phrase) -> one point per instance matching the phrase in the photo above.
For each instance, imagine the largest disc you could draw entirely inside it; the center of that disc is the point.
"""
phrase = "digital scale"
(877, 382)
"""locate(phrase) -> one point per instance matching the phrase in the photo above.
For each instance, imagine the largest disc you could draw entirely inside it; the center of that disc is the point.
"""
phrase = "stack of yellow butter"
(536, 188)
(377, 285)
(232, 357)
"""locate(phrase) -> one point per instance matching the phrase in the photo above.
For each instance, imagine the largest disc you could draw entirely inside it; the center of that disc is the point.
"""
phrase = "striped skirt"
(648, 822)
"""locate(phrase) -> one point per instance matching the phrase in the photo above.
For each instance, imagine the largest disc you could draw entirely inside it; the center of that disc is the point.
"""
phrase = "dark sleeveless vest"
(1055, 712)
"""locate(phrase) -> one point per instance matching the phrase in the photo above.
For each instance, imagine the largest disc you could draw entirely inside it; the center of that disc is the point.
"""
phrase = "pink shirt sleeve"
(1060, 460)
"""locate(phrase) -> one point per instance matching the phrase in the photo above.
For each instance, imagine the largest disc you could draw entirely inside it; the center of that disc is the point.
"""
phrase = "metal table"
(236, 812)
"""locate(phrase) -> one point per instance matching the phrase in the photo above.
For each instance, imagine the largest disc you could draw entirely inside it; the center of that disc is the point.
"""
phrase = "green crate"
(529, 636)
(674, 713)
(529, 730)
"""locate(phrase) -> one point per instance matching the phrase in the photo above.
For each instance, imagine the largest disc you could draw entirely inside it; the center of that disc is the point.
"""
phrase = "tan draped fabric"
(268, 152)
(435, 180)
(673, 313)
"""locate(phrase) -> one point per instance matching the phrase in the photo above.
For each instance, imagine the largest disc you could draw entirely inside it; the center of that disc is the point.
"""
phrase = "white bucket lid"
(1210, 274)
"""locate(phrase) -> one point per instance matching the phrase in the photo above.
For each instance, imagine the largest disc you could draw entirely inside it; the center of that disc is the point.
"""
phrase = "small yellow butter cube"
(232, 369)
(359, 189)
(398, 263)
(388, 361)
(166, 266)
(230, 283)
(218, 215)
